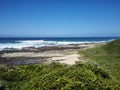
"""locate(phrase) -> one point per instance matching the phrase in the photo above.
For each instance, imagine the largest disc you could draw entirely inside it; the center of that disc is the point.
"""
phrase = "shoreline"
(30, 55)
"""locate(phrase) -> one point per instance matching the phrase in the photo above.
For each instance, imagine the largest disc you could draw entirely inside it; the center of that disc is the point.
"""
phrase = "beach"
(67, 54)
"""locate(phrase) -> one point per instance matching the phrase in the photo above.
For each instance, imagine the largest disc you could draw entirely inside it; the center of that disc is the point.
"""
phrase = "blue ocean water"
(19, 42)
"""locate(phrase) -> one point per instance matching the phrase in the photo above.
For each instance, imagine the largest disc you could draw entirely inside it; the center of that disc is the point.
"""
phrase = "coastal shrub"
(106, 56)
(113, 47)
(56, 76)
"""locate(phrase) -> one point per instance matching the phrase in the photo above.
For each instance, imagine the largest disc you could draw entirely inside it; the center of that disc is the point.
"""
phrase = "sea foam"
(19, 44)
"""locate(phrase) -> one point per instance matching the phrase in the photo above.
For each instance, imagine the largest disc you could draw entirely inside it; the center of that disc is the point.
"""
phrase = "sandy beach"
(67, 54)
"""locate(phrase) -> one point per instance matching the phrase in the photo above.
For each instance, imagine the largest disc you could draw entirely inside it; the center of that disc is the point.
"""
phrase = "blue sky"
(59, 18)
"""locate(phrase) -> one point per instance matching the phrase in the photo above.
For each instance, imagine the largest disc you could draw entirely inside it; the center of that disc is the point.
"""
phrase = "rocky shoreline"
(31, 55)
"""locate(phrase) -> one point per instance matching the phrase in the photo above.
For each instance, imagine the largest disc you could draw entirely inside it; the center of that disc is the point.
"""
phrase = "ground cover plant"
(56, 76)
(107, 56)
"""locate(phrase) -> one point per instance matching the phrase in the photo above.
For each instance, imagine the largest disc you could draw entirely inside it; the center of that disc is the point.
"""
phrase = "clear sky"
(59, 18)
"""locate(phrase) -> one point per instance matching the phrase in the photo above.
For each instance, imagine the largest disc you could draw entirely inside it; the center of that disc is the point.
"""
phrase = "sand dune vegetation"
(107, 56)
(56, 76)
(100, 71)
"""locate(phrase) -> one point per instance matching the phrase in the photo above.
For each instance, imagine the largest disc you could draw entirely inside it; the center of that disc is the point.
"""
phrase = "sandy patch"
(67, 59)
(31, 54)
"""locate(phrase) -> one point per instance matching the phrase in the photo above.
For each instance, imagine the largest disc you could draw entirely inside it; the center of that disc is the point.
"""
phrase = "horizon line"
(61, 37)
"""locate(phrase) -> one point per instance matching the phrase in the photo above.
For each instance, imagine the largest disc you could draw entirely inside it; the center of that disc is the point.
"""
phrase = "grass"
(56, 76)
(107, 56)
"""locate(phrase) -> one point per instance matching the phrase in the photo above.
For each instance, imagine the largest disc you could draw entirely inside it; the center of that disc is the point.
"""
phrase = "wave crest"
(39, 43)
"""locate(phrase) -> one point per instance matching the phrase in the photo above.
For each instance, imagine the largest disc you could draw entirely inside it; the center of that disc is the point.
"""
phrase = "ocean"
(20, 42)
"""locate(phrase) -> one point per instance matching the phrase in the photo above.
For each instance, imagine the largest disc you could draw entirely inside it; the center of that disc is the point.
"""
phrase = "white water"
(39, 43)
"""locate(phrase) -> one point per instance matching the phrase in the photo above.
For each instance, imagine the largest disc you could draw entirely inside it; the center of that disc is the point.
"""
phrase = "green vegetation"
(107, 56)
(57, 76)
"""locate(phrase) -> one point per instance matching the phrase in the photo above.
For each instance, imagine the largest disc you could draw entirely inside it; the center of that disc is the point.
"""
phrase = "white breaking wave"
(39, 43)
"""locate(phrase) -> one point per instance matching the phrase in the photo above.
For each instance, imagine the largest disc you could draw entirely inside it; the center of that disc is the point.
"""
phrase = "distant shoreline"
(32, 55)
(20, 42)
(51, 47)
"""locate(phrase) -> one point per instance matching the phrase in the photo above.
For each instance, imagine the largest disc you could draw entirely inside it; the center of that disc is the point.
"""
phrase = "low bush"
(107, 56)
(56, 76)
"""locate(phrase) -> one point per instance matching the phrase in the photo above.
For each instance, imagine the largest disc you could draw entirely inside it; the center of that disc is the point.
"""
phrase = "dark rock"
(29, 49)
